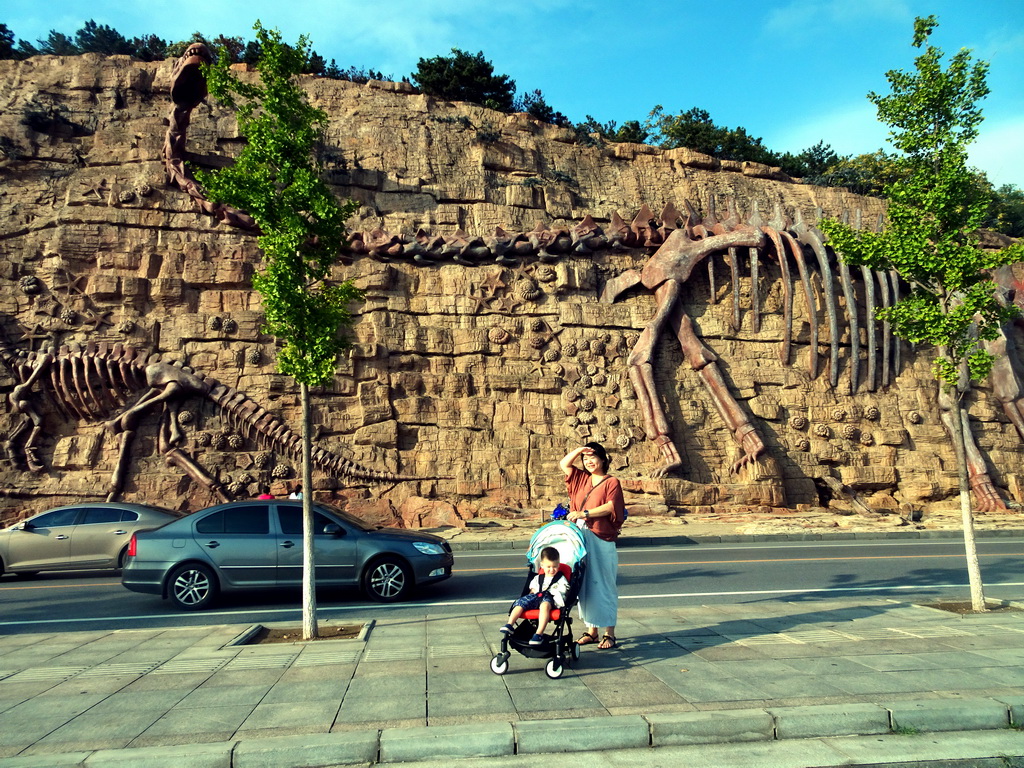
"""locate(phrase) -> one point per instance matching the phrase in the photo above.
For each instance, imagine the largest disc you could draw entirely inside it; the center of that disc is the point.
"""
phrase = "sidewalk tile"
(383, 711)
(465, 703)
(224, 695)
(194, 725)
(293, 717)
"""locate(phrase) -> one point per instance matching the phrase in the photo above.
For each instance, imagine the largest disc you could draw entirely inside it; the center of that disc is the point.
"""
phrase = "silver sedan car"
(79, 536)
(257, 545)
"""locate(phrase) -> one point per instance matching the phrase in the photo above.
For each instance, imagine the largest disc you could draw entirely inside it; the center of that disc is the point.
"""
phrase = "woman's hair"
(601, 453)
(550, 554)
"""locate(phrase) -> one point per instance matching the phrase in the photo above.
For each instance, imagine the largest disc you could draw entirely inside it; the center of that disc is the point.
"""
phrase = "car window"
(55, 518)
(95, 515)
(127, 516)
(248, 519)
(291, 521)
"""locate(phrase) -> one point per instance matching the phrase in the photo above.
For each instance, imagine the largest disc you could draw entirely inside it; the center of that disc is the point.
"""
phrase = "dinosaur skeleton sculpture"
(673, 263)
(103, 381)
(675, 252)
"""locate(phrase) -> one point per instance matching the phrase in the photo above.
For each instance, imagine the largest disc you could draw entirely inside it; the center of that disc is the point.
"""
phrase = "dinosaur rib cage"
(93, 384)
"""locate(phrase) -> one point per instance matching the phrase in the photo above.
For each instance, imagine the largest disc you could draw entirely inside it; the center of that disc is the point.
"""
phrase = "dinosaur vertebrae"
(502, 247)
(102, 381)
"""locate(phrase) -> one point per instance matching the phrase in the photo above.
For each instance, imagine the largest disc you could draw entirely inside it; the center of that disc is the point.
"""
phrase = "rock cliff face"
(483, 374)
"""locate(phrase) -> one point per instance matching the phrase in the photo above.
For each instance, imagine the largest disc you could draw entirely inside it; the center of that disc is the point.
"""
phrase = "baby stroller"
(558, 646)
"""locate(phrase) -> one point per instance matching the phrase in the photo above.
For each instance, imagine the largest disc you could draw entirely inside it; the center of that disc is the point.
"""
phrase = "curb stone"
(829, 720)
(713, 729)
(307, 750)
(582, 734)
(949, 715)
(727, 725)
(1016, 707)
(398, 745)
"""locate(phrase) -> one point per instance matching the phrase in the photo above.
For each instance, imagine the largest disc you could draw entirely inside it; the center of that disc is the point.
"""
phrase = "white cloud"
(800, 20)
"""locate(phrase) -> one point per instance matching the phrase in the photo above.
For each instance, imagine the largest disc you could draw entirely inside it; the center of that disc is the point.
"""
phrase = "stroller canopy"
(563, 536)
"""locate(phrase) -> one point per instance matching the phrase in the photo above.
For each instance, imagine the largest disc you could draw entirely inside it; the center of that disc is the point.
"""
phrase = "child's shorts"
(533, 601)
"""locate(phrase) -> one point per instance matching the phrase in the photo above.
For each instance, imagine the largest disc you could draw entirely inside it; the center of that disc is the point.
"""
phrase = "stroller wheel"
(499, 664)
(554, 668)
(575, 651)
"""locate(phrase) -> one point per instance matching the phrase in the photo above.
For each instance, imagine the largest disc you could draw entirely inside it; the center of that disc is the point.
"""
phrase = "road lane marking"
(324, 610)
(775, 560)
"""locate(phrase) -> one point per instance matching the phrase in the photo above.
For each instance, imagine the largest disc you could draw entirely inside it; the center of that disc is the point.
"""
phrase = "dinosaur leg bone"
(154, 397)
(986, 497)
(175, 457)
(121, 468)
(705, 363)
(641, 374)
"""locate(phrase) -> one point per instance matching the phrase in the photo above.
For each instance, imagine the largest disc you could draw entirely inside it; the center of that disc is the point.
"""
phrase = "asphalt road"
(486, 581)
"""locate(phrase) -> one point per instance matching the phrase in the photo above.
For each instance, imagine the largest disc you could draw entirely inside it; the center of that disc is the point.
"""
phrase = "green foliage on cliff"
(465, 77)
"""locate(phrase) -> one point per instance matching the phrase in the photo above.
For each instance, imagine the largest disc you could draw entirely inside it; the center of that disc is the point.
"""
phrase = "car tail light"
(132, 546)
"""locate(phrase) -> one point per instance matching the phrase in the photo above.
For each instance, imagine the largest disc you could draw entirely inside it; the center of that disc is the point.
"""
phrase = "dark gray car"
(88, 535)
(249, 545)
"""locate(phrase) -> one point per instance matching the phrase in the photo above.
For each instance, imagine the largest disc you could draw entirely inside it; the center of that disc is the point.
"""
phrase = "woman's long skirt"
(599, 597)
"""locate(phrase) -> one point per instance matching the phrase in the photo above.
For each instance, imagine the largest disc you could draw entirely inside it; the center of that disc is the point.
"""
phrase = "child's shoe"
(506, 630)
(536, 639)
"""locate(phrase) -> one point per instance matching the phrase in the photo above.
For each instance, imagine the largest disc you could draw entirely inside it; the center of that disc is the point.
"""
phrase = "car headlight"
(427, 548)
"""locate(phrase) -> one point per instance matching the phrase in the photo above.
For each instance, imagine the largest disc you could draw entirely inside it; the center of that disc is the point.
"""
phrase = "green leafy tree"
(465, 77)
(867, 174)
(58, 44)
(277, 180)
(1006, 213)
(695, 129)
(632, 131)
(535, 105)
(149, 48)
(934, 211)
(101, 38)
(6, 42)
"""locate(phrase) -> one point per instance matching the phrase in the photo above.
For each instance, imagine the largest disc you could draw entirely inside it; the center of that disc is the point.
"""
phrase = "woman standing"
(596, 499)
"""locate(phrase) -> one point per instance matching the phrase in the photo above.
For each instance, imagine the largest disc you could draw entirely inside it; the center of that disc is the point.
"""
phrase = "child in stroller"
(547, 592)
(556, 548)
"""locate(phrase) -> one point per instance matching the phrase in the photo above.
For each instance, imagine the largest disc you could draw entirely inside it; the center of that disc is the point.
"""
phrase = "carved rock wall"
(482, 375)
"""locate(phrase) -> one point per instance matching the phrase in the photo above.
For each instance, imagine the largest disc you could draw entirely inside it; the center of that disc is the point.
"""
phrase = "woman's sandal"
(586, 639)
(610, 643)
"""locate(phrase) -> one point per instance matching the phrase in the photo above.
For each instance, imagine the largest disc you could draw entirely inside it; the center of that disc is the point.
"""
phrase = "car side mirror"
(331, 529)
(23, 526)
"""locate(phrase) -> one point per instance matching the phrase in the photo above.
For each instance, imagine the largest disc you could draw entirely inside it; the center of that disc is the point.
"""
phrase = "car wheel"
(554, 669)
(192, 587)
(387, 580)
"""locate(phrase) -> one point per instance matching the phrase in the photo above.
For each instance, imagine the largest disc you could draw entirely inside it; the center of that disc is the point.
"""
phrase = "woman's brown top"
(579, 484)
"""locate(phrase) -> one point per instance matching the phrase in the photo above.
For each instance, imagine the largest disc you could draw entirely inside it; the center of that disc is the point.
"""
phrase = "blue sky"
(790, 71)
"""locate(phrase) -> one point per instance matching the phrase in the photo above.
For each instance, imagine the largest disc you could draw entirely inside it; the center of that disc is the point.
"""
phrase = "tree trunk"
(973, 567)
(309, 627)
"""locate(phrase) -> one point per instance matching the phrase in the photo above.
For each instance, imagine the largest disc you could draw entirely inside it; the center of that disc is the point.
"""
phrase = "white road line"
(765, 545)
(502, 601)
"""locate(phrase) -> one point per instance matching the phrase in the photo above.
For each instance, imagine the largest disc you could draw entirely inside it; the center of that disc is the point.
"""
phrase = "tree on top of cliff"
(465, 77)
(936, 205)
(277, 179)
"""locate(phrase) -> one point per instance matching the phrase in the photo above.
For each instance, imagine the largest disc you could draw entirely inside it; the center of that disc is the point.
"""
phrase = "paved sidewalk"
(419, 687)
